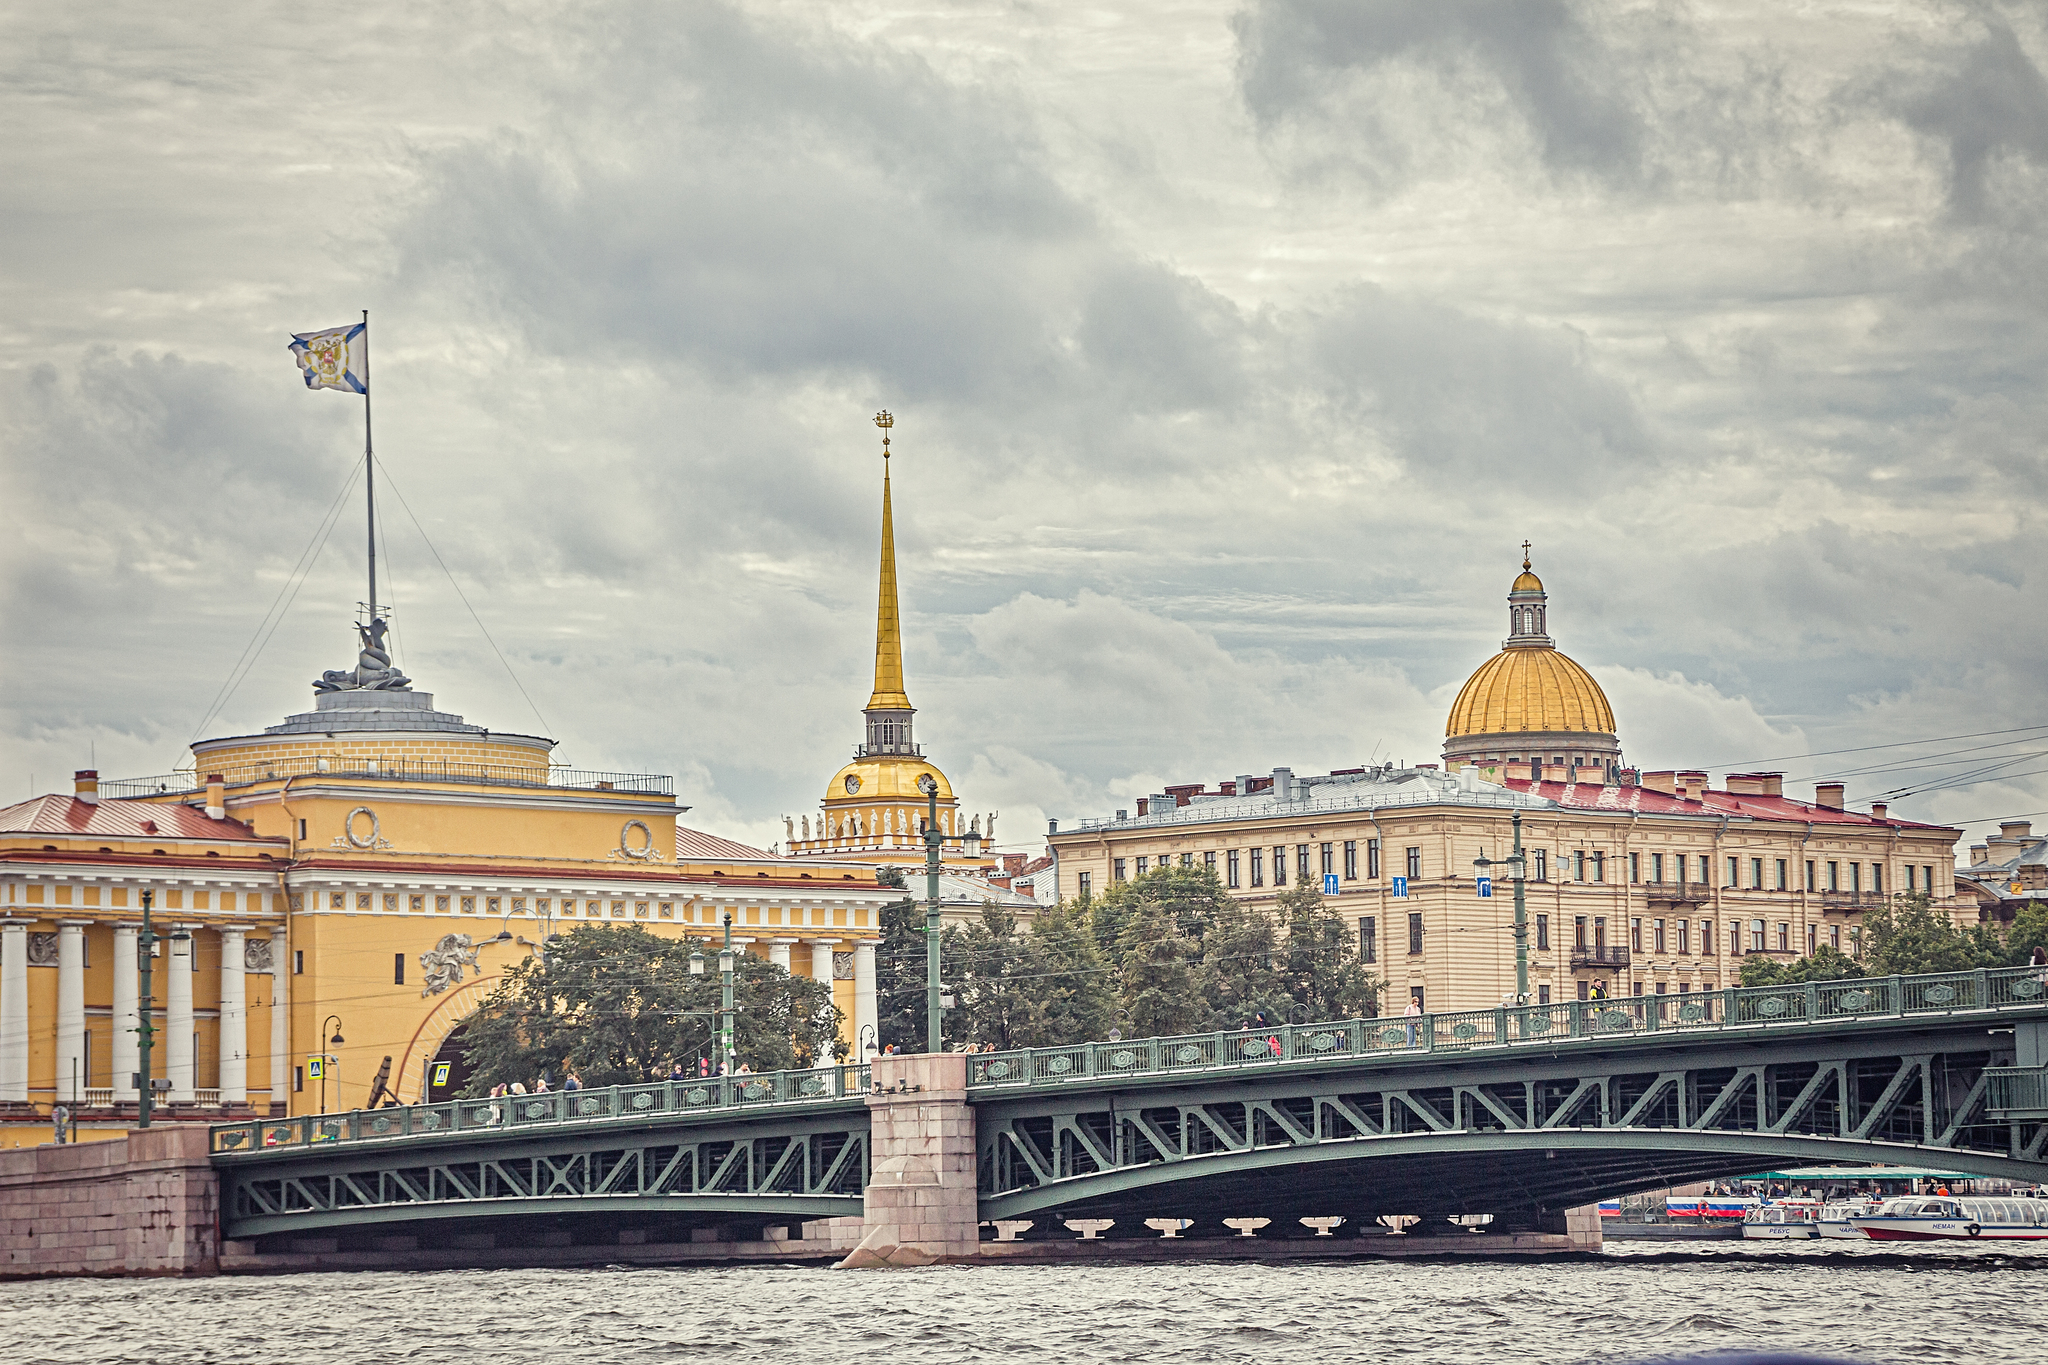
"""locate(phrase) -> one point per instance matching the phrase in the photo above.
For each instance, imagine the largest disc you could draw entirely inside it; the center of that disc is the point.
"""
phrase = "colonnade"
(175, 1032)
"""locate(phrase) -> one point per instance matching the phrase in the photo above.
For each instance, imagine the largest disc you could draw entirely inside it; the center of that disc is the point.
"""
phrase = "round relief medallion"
(853, 784)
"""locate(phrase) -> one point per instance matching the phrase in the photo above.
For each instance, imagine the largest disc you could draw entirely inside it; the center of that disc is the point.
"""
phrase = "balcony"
(1852, 900)
(1599, 957)
(1675, 893)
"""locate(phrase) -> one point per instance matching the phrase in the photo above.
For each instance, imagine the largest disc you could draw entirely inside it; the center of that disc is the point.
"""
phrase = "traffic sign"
(1486, 888)
(1400, 887)
(314, 1067)
(441, 1072)
(1329, 883)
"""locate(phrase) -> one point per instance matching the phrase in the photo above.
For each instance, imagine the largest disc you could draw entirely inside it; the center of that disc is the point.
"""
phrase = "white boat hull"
(1778, 1232)
(1948, 1230)
(1841, 1228)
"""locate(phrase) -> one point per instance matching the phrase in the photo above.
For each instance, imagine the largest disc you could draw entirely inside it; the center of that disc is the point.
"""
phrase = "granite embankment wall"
(145, 1205)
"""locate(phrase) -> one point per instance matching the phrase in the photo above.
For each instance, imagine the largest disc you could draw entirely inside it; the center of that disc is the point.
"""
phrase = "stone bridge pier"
(921, 1198)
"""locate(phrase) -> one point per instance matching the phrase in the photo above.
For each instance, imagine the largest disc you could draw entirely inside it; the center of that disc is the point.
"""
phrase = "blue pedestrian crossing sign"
(1329, 883)
(1486, 888)
(313, 1067)
(1401, 887)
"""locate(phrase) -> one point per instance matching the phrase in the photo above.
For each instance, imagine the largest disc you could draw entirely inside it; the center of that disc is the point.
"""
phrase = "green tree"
(1909, 934)
(1826, 964)
(1158, 974)
(1318, 964)
(900, 995)
(990, 967)
(2029, 931)
(1237, 977)
(1075, 987)
(618, 1005)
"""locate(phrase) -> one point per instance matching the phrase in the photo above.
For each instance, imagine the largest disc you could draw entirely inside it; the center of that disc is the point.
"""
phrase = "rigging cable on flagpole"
(280, 606)
(399, 493)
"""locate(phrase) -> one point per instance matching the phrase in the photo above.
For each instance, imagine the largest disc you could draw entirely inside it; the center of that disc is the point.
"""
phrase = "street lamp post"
(333, 1063)
(1516, 863)
(933, 1017)
(145, 1028)
(725, 1001)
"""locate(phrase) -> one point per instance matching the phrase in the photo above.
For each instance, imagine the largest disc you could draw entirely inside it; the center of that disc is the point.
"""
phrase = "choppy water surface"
(1919, 1305)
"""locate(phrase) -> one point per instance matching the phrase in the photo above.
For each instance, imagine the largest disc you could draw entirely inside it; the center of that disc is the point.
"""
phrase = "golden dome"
(1521, 690)
(884, 778)
(1528, 582)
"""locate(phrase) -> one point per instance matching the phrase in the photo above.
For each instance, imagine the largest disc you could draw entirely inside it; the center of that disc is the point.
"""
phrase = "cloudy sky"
(1234, 348)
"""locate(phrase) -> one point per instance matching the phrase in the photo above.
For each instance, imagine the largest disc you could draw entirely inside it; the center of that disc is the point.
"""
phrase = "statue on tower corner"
(373, 670)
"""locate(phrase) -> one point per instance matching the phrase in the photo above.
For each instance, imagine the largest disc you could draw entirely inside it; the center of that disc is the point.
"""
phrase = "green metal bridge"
(1515, 1112)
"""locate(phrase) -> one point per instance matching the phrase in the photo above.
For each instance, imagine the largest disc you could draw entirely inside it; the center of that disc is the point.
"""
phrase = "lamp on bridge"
(333, 1062)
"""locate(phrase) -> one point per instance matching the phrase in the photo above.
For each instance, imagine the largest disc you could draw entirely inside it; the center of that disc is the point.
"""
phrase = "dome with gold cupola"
(1532, 705)
(875, 807)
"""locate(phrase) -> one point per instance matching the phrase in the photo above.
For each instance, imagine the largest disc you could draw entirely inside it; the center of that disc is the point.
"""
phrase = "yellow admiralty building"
(336, 894)
(1637, 883)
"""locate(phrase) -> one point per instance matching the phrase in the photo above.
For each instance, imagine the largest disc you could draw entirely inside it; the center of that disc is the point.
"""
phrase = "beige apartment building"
(1644, 883)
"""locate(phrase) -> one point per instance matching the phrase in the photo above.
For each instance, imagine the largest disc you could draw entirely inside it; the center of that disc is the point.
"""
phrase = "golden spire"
(888, 694)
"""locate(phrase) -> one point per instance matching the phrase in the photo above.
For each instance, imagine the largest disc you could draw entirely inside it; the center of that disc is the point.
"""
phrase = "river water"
(1966, 1303)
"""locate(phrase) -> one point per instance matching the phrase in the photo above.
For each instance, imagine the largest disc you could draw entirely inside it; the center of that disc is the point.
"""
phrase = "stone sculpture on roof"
(373, 671)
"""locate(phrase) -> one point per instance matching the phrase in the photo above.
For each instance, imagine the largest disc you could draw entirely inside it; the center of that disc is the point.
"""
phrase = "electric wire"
(435, 551)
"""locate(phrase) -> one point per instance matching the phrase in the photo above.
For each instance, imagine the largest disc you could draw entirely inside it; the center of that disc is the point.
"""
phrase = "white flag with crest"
(335, 358)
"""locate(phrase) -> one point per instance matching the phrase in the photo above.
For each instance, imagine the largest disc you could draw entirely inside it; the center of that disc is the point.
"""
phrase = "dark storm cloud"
(1538, 56)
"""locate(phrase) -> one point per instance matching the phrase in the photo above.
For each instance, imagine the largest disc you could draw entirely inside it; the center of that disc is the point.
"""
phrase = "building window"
(1209, 862)
(1784, 938)
(1329, 859)
(1834, 876)
(1657, 935)
(1414, 864)
(1733, 880)
(1784, 882)
(1230, 868)
(1372, 858)
(1117, 869)
(1583, 989)
(1756, 936)
(1812, 939)
(1928, 868)
(1543, 995)
(1578, 858)
(398, 969)
(1635, 867)
(1578, 931)
(1877, 879)
(1143, 862)
(1678, 862)
(1301, 861)
(1909, 877)
(1835, 937)
(1087, 884)
(1635, 933)
(1414, 932)
(1351, 860)
(1258, 867)
(1856, 878)
(1657, 867)
(1542, 864)
(1599, 867)
(1415, 993)
(1706, 872)
(1638, 988)
(1369, 939)
(1707, 944)
(298, 962)
(1279, 864)
(1756, 873)
(1543, 933)
(1684, 939)
(1809, 876)
(299, 1072)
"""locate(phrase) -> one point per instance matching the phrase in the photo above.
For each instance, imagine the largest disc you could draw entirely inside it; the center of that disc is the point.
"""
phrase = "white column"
(863, 996)
(127, 992)
(70, 1078)
(821, 961)
(778, 951)
(14, 1010)
(234, 1017)
(178, 1058)
(280, 1022)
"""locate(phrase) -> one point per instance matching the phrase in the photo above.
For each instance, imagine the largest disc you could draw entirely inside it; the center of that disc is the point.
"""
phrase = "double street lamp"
(330, 1062)
(1516, 863)
(145, 1026)
(725, 1020)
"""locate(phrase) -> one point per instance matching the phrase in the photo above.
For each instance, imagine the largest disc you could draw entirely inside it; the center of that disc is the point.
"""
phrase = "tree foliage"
(618, 1005)
(1910, 934)
(900, 994)
(1045, 986)
(1826, 964)
(1319, 967)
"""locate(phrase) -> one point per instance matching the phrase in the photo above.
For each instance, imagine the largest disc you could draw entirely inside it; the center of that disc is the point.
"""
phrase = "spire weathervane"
(885, 421)
(1525, 554)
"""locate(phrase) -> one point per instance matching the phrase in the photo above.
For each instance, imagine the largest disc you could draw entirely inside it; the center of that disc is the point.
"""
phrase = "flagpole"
(369, 467)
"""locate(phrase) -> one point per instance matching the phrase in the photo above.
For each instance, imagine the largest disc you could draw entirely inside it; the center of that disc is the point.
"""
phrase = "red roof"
(1649, 801)
(115, 818)
(695, 843)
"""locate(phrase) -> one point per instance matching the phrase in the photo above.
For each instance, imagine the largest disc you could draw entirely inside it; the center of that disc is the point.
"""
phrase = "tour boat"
(1929, 1218)
(1834, 1217)
(1710, 1208)
(1786, 1220)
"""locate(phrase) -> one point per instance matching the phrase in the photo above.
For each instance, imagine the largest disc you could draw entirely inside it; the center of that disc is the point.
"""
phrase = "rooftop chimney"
(1143, 803)
(2019, 831)
(216, 797)
(1828, 795)
(1283, 784)
(1979, 855)
(1757, 784)
(1877, 810)
(1692, 783)
(1663, 780)
(85, 786)
(1052, 827)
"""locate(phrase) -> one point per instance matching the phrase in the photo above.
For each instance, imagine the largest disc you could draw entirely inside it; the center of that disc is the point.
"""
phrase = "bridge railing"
(503, 1112)
(1803, 1003)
